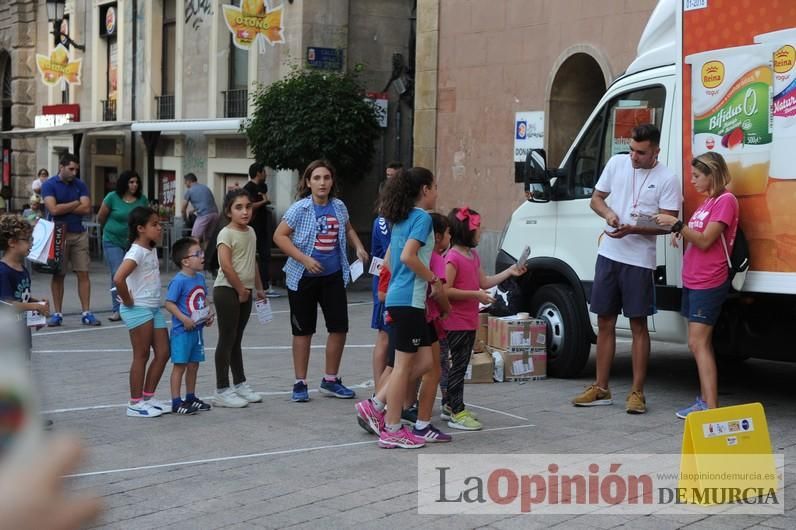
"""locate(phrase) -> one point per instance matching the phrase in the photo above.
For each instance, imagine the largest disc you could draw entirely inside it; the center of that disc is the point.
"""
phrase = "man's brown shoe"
(636, 404)
(593, 396)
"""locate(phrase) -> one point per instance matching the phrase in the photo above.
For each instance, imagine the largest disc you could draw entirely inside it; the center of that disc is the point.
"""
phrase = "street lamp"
(55, 14)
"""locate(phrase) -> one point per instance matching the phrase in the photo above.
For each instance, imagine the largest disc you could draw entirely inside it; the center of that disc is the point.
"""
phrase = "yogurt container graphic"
(731, 111)
(784, 102)
(781, 195)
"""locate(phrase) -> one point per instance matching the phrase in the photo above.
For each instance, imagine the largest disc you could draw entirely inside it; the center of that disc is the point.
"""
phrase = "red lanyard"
(635, 197)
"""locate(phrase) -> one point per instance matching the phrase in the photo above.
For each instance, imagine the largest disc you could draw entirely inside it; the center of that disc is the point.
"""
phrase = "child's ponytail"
(402, 192)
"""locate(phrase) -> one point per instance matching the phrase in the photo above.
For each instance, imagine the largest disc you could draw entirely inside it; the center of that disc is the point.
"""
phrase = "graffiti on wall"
(195, 157)
(196, 11)
(254, 21)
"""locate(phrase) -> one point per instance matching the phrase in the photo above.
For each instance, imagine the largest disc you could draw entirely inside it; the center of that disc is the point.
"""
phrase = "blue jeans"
(113, 259)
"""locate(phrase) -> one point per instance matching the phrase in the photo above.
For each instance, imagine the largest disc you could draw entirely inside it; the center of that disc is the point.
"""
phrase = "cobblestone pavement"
(280, 464)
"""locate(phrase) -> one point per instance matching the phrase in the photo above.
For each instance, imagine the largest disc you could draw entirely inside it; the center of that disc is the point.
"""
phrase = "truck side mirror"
(536, 167)
(536, 177)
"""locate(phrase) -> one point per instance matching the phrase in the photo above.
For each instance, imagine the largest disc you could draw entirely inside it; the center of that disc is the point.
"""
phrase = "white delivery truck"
(706, 89)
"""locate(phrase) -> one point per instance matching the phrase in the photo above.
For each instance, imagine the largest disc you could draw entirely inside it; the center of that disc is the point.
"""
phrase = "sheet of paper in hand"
(643, 220)
(264, 313)
(375, 266)
(357, 268)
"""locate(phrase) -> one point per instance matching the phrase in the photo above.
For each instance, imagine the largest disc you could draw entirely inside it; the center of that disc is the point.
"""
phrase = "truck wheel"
(568, 343)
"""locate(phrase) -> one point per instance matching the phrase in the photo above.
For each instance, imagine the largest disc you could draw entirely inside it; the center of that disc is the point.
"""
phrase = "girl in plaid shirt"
(314, 234)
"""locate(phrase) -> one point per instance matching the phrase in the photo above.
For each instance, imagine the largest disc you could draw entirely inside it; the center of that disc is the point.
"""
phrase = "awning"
(76, 127)
(221, 125)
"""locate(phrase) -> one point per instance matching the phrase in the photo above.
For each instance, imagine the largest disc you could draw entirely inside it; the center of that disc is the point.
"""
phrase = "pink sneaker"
(402, 438)
(369, 417)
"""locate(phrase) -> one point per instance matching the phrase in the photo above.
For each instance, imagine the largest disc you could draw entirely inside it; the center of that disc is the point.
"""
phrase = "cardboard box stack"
(480, 368)
(481, 333)
(521, 343)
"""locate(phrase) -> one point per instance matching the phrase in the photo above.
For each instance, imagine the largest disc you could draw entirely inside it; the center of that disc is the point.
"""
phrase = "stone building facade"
(17, 89)
(164, 78)
(480, 62)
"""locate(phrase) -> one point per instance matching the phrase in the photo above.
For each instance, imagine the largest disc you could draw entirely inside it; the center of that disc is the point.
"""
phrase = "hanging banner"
(57, 66)
(254, 21)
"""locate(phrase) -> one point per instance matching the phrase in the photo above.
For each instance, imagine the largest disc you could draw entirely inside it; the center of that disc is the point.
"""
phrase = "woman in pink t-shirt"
(706, 279)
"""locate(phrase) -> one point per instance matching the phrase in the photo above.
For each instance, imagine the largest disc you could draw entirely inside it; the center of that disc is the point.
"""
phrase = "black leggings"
(232, 318)
(460, 344)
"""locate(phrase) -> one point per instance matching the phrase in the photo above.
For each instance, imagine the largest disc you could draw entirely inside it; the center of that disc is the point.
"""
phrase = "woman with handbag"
(710, 235)
(113, 217)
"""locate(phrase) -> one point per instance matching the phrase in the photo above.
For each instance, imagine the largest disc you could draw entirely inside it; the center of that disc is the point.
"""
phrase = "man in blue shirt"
(66, 200)
(204, 203)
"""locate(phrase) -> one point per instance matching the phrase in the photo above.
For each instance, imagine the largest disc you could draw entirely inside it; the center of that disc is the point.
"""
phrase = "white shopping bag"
(42, 241)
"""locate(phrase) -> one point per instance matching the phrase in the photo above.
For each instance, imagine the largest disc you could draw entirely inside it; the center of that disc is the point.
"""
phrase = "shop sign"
(58, 66)
(254, 21)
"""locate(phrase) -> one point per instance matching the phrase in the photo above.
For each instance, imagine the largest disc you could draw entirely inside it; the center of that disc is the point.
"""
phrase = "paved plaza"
(279, 464)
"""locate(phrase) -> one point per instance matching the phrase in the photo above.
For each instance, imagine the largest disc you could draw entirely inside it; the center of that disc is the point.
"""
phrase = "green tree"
(310, 115)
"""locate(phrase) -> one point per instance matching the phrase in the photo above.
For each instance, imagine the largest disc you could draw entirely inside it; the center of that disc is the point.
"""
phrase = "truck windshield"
(608, 134)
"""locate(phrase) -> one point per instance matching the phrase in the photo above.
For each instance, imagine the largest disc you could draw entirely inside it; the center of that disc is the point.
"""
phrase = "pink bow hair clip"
(465, 214)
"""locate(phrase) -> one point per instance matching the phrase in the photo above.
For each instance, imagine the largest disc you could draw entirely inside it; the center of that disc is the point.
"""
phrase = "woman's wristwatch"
(676, 227)
(434, 279)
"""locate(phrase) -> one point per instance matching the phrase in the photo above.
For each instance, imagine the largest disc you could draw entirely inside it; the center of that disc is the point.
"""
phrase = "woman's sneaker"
(464, 422)
(158, 405)
(142, 409)
(409, 416)
(300, 393)
(446, 413)
(698, 406)
(244, 391)
(369, 417)
(228, 398)
(432, 435)
(401, 438)
(185, 407)
(337, 389)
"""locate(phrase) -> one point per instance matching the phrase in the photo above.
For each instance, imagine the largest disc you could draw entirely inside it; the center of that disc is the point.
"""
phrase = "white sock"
(301, 381)
(393, 428)
(420, 425)
(330, 378)
(380, 406)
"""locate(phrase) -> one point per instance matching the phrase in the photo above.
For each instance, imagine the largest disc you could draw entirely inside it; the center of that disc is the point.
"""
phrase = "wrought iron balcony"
(108, 109)
(165, 107)
(236, 103)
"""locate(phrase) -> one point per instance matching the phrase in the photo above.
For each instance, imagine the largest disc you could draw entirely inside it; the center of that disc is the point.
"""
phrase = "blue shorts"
(703, 306)
(187, 347)
(137, 315)
(377, 319)
(621, 287)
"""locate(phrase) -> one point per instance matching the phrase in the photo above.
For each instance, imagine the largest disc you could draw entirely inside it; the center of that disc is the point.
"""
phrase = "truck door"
(579, 229)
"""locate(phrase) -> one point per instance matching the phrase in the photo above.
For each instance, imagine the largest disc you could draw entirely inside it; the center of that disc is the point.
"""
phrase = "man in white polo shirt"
(631, 189)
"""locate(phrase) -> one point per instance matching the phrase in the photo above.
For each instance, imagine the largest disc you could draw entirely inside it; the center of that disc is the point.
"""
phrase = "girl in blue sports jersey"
(406, 199)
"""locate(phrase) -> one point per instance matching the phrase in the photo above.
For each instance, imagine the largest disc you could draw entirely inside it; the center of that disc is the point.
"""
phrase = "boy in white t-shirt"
(631, 189)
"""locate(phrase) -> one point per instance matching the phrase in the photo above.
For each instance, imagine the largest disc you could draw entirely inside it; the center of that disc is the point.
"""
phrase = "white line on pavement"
(207, 348)
(497, 412)
(262, 455)
(366, 384)
(101, 328)
(97, 328)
